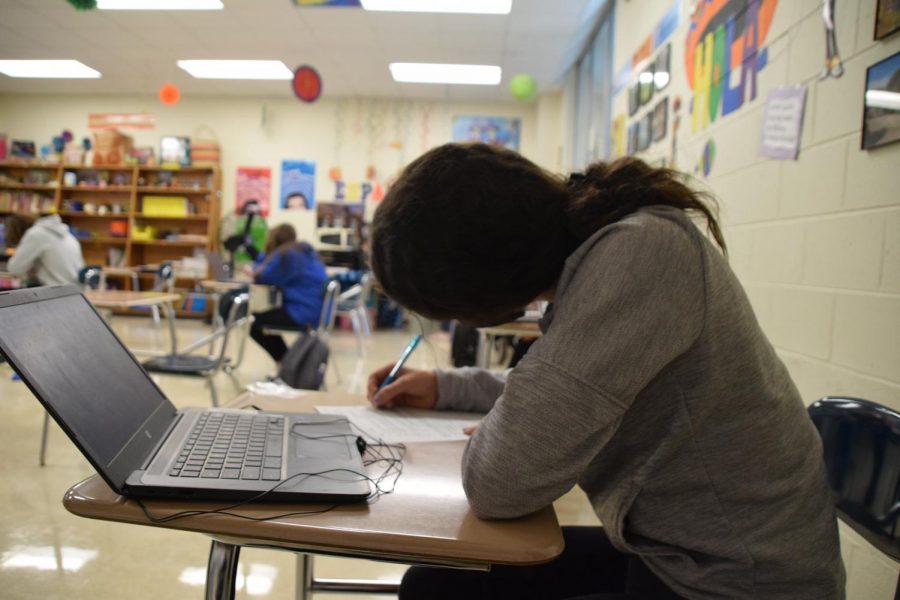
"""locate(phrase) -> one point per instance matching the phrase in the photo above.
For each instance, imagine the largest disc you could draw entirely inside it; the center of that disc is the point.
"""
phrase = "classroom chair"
(90, 277)
(233, 309)
(163, 281)
(861, 446)
(353, 303)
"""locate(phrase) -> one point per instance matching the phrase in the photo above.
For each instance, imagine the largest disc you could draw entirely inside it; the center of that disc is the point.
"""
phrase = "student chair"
(233, 308)
(90, 277)
(163, 281)
(353, 304)
(861, 444)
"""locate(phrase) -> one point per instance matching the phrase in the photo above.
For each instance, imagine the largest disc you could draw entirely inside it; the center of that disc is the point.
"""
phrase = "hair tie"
(575, 178)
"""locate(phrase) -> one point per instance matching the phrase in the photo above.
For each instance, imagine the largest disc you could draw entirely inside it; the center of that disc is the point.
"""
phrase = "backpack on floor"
(303, 367)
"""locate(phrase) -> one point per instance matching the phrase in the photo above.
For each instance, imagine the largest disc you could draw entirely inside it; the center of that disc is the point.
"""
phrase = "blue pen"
(396, 370)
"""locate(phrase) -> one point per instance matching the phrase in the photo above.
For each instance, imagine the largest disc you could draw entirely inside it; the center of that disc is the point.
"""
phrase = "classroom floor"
(45, 552)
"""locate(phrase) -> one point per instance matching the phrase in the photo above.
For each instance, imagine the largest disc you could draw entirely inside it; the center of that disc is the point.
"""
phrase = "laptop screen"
(81, 371)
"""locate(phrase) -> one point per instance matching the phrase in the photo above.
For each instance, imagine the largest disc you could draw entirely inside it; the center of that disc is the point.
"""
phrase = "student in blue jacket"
(294, 268)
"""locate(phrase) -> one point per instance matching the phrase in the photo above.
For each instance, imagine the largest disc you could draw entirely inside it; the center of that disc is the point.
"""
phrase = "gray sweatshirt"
(49, 252)
(654, 389)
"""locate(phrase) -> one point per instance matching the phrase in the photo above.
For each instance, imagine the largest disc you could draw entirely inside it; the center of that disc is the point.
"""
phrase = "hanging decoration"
(307, 84)
(833, 65)
(523, 87)
(169, 94)
(83, 4)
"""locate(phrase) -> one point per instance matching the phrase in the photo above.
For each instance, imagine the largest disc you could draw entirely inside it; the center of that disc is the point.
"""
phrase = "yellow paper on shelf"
(165, 206)
(143, 233)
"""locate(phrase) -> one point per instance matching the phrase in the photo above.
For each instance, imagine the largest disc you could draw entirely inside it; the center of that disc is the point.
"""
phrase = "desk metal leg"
(221, 571)
(170, 317)
(44, 437)
(307, 583)
(485, 343)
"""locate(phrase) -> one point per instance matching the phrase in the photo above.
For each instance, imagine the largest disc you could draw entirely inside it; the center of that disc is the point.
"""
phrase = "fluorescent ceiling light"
(438, 73)
(47, 69)
(481, 7)
(159, 4)
(236, 69)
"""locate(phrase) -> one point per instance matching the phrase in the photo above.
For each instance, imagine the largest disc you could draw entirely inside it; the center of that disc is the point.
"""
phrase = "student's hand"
(413, 387)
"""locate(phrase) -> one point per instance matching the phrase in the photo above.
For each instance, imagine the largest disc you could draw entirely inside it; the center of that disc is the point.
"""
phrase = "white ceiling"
(351, 48)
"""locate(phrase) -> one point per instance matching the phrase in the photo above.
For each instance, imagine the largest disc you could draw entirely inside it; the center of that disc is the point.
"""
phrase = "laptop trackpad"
(322, 448)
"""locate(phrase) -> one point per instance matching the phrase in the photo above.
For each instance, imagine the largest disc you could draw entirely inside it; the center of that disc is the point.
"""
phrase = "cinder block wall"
(816, 241)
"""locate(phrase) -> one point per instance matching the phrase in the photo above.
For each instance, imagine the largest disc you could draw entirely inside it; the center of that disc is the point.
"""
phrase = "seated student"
(295, 268)
(653, 387)
(45, 250)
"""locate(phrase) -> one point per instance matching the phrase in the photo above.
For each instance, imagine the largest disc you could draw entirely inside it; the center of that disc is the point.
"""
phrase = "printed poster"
(783, 122)
(298, 184)
(494, 131)
(253, 183)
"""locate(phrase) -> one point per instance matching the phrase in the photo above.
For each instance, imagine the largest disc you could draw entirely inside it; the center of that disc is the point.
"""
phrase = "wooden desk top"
(214, 285)
(124, 299)
(119, 271)
(426, 520)
(525, 328)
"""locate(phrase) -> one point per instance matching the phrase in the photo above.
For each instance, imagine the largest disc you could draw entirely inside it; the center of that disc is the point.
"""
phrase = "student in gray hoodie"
(653, 387)
(45, 250)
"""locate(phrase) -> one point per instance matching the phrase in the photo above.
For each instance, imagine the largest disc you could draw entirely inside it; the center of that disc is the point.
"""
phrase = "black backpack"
(303, 367)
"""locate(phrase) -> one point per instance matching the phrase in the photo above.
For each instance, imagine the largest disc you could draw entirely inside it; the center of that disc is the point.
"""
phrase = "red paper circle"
(169, 93)
(307, 84)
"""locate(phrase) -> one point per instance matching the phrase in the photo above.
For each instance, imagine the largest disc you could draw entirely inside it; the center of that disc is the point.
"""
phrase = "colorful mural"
(724, 36)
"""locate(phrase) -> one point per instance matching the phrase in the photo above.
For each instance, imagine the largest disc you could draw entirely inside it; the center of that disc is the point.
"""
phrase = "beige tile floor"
(47, 553)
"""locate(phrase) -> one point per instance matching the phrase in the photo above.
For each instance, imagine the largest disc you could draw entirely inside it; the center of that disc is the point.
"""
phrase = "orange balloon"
(169, 94)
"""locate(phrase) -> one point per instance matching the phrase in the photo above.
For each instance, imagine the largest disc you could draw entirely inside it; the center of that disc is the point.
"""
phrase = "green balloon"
(523, 87)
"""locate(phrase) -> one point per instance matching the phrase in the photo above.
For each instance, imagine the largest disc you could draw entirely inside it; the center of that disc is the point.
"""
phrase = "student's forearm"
(469, 389)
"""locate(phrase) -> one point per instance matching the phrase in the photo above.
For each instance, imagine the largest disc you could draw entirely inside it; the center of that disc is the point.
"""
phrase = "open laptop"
(139, 442)
(221, 271)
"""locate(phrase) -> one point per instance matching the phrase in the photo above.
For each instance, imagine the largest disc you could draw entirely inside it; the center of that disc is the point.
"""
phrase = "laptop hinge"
(162, 441)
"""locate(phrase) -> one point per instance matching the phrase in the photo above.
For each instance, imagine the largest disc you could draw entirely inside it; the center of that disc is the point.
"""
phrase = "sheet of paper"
(406, 424)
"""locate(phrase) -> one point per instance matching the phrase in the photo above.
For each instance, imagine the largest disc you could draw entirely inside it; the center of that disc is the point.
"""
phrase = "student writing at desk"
(295, 268)
(653, 387)
(45, 250)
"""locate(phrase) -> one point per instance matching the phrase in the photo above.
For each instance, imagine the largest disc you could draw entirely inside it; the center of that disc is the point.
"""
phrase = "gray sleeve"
(469, 388)
(634, 304)
(27, 253)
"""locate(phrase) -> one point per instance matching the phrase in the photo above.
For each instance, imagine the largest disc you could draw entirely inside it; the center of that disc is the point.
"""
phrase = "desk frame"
(447, 533)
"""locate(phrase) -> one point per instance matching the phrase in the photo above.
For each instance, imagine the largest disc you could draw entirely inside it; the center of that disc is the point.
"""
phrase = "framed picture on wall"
(881, 115)
(660, 119)
(887, 18)
(662, 68)
(632, 138)
(645, 83)
(644, 130)
(633, 99)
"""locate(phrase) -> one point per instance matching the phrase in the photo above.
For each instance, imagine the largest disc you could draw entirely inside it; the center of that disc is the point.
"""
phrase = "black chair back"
(89, 276)
(227, 302)
(861, 443)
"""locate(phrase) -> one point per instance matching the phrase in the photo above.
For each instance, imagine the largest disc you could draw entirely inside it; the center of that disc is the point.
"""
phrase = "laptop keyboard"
(229, 446)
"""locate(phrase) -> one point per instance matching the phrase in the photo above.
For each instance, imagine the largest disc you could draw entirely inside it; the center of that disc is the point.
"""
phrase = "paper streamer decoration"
(307, 84)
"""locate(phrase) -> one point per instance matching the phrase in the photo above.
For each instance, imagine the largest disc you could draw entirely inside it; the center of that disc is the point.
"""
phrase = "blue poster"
(494, 131)
(298, 184)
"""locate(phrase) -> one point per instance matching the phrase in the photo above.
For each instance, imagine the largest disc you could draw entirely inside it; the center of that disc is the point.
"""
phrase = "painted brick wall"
(816, 242)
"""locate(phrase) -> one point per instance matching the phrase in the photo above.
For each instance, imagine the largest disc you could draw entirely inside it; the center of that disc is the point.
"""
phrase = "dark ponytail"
(608, 192)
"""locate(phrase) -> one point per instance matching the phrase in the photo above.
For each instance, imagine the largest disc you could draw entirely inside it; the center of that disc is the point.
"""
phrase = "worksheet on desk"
(406, 424)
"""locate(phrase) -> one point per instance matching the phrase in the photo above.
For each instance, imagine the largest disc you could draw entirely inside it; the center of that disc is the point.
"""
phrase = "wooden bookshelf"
(105, 207)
